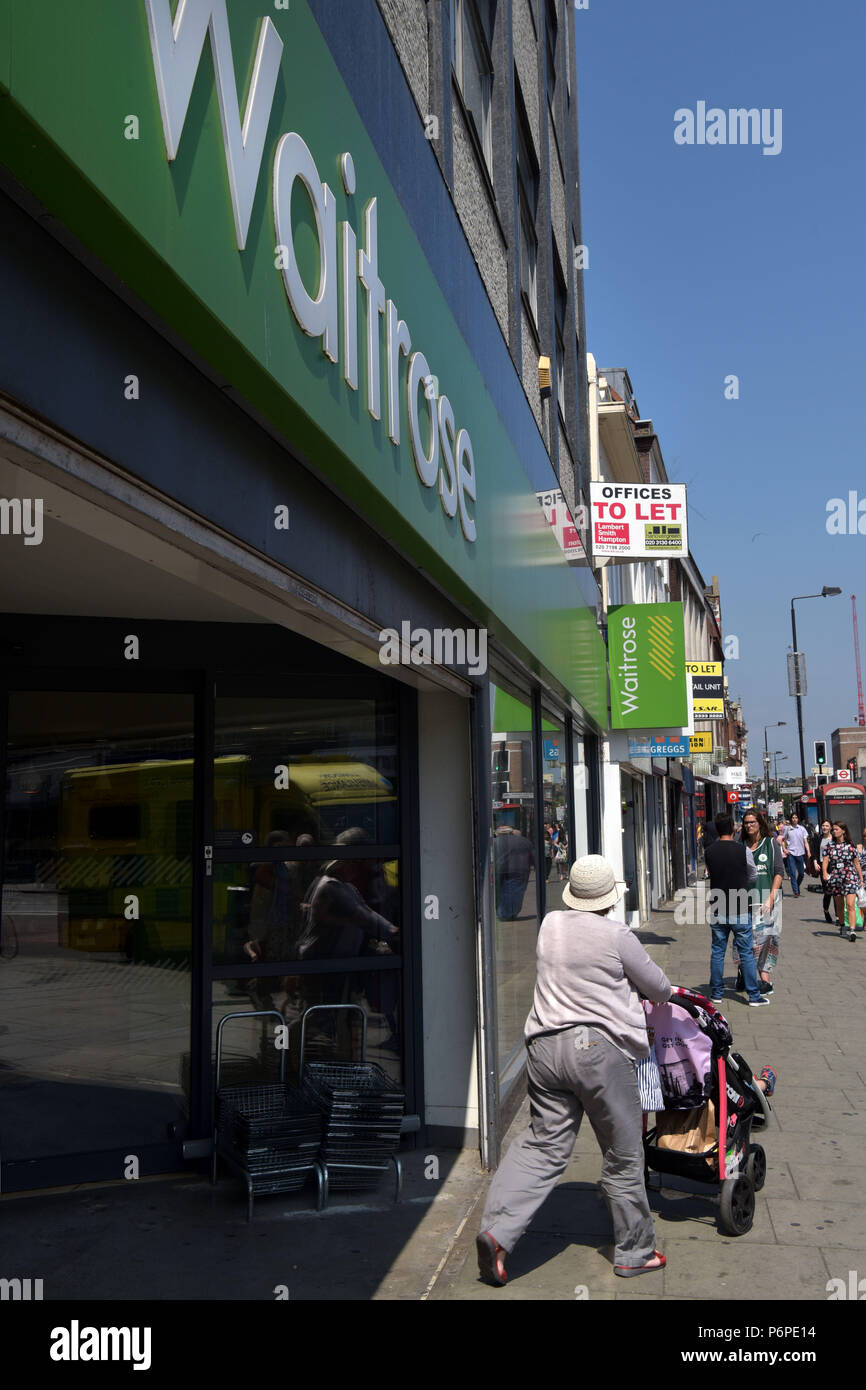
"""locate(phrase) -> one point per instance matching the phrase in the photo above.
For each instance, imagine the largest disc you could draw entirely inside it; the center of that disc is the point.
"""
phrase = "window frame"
(465, 17)
(528, 188)
(560, 302)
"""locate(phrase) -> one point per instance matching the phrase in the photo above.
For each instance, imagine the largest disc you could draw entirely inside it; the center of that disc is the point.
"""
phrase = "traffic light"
(500, 760)
(852, 766)
(820, 753)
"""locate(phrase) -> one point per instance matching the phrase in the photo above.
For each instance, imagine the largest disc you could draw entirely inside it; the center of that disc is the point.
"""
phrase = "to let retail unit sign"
(708, 688)
(638, 520)
(646, 648)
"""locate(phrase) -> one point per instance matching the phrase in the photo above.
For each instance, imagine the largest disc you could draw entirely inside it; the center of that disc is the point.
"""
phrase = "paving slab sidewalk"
(810, 1224)
(178, 1238)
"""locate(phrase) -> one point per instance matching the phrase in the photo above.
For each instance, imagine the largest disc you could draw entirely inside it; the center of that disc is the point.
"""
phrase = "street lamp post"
(779, 724)
(778, 754)
(826, 592)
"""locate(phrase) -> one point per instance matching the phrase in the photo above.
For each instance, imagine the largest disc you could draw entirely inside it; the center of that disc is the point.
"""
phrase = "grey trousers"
(564, 1082)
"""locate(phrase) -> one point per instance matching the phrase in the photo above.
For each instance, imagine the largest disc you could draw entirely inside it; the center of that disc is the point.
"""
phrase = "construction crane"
(861, 712)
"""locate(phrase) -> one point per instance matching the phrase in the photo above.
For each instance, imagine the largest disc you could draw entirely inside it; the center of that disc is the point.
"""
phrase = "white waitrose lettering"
(447, 458)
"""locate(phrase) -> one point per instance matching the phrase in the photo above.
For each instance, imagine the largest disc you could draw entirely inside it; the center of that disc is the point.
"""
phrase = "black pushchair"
(711, 1102)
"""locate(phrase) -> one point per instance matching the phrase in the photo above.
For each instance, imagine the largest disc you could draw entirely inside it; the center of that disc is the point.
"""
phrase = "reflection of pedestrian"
(339, 920)
(513, 857)
(584, 1033)
(562, 854)
(277, 890)
(549, 850)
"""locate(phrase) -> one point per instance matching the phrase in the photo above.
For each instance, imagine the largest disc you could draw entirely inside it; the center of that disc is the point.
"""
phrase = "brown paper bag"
(689, 1131)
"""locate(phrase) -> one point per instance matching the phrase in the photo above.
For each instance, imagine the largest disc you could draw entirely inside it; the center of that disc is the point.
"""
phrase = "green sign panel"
(212, 159)
(646, 646)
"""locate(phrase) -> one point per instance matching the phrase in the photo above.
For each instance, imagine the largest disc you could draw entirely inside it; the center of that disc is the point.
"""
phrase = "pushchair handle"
(692, 995)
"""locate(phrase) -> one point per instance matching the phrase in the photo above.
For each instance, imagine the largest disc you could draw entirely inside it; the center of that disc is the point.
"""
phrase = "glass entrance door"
(95, 935)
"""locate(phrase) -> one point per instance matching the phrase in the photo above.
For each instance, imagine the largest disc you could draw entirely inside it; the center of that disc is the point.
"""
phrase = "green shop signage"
(646, 646)
(213, 159)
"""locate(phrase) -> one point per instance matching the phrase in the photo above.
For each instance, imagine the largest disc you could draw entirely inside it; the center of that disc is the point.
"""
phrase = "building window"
(471, 35)
(560, 307)
(551, 28)
(527, 199)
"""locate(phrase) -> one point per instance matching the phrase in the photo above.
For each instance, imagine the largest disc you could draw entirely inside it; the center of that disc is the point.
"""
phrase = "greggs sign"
(441, 452)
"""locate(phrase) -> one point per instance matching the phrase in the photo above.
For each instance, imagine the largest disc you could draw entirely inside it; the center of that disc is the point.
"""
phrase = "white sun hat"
(592, 885)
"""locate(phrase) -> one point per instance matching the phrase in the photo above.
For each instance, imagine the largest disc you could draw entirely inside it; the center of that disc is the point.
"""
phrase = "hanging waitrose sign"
(646, 648)
(212, 158)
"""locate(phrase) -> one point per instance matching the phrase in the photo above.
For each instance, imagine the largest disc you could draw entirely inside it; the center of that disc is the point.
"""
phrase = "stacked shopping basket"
(270, 1135)
(362, 1110)
(342, 1123)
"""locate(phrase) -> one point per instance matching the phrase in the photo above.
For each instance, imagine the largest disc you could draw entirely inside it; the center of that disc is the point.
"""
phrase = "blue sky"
(706, 261)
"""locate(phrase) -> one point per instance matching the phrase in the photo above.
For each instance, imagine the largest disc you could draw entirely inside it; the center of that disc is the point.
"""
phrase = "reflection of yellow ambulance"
(126, 841)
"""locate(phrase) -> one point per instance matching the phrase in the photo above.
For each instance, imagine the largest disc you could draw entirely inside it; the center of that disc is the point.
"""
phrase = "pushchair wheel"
(756, 1166)
(737, 1205)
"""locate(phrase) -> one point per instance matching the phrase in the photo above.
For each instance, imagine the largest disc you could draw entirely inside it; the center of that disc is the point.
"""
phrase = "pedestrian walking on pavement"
(766, 898)
(818, 842)
(798, 846)
(844, 877)
(780, 835)
(584, 1034)
(732, 872)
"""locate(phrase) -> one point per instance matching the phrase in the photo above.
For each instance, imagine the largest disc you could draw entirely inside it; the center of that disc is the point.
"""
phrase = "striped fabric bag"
(649, 1083)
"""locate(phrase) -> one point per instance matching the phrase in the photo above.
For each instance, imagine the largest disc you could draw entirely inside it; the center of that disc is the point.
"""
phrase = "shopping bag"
(688, 1131)
(861, 897)
(858, 916)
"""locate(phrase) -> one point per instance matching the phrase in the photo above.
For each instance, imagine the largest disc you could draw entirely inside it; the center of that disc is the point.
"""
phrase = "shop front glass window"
(557, 850)
(290, 909)
(306, 890)
(581, 796)
(515, 868)
(249, 1053)
(307, 770)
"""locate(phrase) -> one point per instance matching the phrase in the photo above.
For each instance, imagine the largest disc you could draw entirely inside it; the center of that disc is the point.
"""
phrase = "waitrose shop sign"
(212, 158)
(646, 647)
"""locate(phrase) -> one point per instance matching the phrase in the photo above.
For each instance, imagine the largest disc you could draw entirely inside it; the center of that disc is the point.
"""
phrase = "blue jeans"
(796, 866)
(742, 929)
(512, 888)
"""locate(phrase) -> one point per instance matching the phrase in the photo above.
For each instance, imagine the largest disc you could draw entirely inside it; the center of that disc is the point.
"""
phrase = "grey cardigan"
(590, 970)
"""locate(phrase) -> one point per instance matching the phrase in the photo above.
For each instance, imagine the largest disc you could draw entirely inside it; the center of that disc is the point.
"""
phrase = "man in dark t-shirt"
(514, 858)
(711, 834)
(731, 872)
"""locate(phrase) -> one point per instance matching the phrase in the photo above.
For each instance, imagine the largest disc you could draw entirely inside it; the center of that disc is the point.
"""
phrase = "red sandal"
(630, 1271)
(491, 1262)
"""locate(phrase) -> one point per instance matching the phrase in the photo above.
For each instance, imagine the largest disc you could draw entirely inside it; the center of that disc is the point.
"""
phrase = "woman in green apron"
(766, 897)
